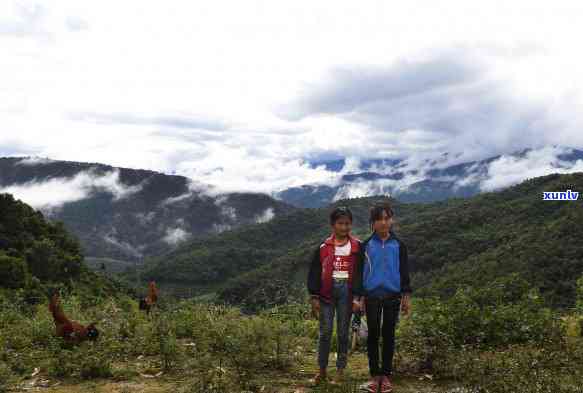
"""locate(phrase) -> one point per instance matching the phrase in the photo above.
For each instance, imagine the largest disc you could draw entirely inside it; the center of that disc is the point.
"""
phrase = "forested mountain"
(36, 255)
(127, 214)
(453, 242)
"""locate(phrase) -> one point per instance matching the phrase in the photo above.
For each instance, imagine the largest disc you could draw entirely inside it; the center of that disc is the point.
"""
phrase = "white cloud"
(194, 188)
(145, 218)
(266, 216)
(23, 19)
(31, 161)
(123, 245)
(175, 235)
(228, 212)
(361, 188)
(55, 192)
(218, 228)
(196, 88)
(509, 170)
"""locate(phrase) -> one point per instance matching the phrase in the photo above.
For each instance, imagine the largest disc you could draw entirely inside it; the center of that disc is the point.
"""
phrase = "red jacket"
(322, 266)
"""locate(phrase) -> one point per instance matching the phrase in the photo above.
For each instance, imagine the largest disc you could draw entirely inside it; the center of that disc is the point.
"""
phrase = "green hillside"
(486, 337)
(37, 255)
(453, 242)
(211, 261)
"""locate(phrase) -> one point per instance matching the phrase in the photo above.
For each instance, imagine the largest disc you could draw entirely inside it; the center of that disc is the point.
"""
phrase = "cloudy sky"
(243, 95)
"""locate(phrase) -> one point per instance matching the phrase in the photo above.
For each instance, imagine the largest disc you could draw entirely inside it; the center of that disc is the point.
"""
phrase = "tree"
(13, 272)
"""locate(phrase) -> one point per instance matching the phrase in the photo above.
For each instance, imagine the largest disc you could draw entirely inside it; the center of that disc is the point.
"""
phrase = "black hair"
(340, 211)
(376, 212)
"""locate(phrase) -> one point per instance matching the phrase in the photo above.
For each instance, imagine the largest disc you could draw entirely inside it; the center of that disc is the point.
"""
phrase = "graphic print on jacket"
(381, 275)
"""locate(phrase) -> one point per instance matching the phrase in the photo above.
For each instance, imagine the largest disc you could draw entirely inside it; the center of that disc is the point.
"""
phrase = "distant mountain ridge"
(437, 182)
(129, 214)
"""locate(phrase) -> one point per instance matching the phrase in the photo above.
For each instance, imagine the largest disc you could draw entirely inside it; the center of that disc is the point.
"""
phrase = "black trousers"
(383, 311)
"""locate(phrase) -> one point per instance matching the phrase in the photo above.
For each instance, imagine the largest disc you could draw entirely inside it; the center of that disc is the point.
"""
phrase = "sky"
(244, 95)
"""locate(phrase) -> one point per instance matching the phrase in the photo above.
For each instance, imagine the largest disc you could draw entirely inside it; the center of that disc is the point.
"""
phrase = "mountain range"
(432, 180)
(126, 214)
(123, 215)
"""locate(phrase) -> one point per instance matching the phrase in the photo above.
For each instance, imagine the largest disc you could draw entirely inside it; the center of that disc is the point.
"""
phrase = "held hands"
(315, 307)
(358, 305)
(406, 304)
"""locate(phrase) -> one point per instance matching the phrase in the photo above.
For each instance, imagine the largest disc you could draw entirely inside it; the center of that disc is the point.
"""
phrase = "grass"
(179, 347)
(297, 379)
(188, 347)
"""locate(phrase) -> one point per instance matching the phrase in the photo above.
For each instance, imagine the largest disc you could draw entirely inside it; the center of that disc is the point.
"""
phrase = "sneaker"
(339, 376)
(386, 385)
(320, 378)
(371, 386)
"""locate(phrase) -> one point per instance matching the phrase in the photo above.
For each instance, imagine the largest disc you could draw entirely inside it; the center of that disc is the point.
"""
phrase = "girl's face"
(383, 224)
(342, 227)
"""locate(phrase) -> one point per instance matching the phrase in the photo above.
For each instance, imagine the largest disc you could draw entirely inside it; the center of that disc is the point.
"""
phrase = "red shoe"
(371, 386)
(386, 385)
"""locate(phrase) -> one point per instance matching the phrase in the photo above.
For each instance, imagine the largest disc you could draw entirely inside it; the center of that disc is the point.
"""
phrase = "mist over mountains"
(130, 214)
(125, 213)
(432, 180)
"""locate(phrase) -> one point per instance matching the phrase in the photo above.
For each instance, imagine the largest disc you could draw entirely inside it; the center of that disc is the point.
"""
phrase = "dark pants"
(385, 311)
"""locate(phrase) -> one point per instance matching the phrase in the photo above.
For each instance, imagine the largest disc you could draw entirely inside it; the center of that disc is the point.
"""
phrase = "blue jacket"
(383, 268)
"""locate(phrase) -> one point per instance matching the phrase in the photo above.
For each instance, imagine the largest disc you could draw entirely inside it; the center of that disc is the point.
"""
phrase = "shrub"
(504, 313)
(168, 346)
(553, 367)
(62, 364)
(95, 365)
(5, 377)
(13, 272)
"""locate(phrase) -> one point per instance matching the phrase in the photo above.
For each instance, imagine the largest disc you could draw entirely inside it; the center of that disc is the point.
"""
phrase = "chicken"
(71, 331)
(150, 300)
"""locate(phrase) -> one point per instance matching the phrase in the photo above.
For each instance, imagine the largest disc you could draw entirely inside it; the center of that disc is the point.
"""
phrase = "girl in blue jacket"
(382, 278)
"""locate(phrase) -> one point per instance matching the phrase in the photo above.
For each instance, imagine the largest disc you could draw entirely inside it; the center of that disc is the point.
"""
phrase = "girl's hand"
(406, 304)
(315, 308)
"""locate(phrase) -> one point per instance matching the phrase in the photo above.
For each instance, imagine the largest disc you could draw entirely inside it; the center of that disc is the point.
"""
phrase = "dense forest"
(37, 256)
(459, 241)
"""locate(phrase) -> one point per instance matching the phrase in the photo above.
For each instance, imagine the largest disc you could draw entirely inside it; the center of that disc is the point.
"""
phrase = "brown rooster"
(149, 301)
(71, 331)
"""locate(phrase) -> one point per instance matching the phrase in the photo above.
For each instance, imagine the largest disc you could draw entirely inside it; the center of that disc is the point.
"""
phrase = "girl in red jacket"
(330, 287)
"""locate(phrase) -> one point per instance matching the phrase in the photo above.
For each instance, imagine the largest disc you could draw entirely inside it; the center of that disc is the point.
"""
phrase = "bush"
(41, 329)
(168, 346)
(5, 377)
(506, 312)
(62, 364)
(13, 272)
(550, 368)
(95, 364)
(579, 304)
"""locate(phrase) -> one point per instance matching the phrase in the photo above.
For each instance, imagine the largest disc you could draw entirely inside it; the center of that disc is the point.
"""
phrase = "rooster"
(150, 300)
(71, 331)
